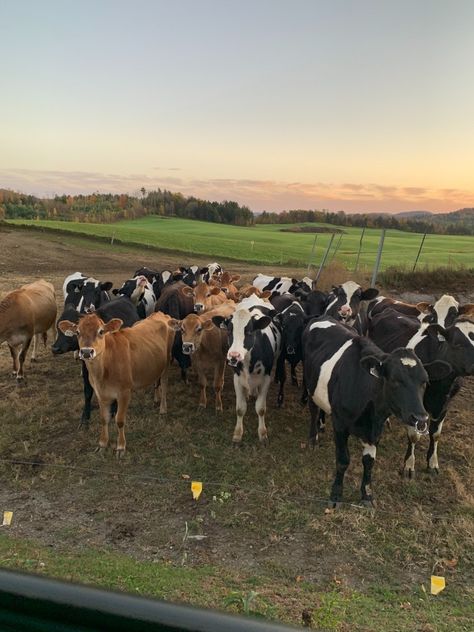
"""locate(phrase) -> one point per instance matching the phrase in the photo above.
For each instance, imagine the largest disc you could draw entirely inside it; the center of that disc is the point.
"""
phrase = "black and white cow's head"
(343, 301)
(133, 288)
(404, 383)
(63, 342)
(212, 270)
(242, 328)
(444, 311)
(291, 323)
(93, 294)
(459, 350)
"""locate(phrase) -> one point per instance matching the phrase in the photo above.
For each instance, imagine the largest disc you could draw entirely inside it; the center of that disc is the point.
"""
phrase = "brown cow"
(208, 346)
(25, 313)
(248, 290)
(227, 284)
(120, 361)
(205, 297)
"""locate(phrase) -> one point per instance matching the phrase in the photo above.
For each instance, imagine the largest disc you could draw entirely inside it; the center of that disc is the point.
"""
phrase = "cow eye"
(101, 332)
(198, 329)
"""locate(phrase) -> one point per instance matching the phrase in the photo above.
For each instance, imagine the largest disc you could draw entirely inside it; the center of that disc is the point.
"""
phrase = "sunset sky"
(359, 105)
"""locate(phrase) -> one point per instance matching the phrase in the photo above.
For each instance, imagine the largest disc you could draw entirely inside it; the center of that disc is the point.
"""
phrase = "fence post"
(324, 260)
(360, 249)
(419, 251)
(377, 261)
(336, 248)
(312, 252)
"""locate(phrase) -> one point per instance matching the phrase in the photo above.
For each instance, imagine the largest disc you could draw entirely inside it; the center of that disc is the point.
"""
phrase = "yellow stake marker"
(7, 518)
(196, 488)
(437, 584)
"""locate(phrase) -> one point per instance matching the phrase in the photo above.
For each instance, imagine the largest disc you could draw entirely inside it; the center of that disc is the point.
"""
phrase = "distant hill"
(414, 214)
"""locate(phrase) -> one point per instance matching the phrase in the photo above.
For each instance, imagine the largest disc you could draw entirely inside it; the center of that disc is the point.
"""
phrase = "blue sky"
(344, 105)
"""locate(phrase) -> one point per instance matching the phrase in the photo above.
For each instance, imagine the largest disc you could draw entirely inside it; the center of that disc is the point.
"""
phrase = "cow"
(140, 292)
(291, 320)
(85, 293)
(24, 313)
(227, 285)
(343, 301)
(122, 308)
(120, 361)
(174, 303)
(212, 270)
(444, 311)
(454, 345)
(207, 344)
(348, 376)
(280, 285)
(204, 296)
(254, 345)
(148, 273)
(247, 290)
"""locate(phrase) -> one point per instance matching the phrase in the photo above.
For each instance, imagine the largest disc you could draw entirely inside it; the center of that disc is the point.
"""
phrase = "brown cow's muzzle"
(87, 353)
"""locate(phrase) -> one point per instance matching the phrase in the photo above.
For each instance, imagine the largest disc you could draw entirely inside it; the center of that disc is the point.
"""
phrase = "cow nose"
(86, 353)
(55, 350)
(345, 310)
(225, 289)
(233, 358)
(198, 307)
(420, 422)
(290, 350)
(188, 348)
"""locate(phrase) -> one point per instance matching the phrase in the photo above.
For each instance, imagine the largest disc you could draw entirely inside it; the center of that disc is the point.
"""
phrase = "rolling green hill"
(270, 245)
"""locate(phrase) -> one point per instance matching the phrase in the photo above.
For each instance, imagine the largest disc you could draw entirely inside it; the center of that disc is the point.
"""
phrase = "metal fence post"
(377, 261)
(312, 252)
(336, 248)
(324, 259)
(419, 251)
(360, 249)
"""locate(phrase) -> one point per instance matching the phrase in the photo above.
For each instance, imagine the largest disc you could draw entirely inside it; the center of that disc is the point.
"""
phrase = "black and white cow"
(281, 285)
(291, 320)
(139, 290)
(343, 302)
(212, 270)
(122, 308)
(72, 287)
(454, 345)
(348, 376)
(254, 344)
(444, 311)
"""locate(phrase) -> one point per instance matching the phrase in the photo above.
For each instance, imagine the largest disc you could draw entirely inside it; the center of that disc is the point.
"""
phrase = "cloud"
(257, 194)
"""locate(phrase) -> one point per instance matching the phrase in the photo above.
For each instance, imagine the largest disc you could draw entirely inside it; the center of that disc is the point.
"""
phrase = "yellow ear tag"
(196, 488)
(437, 584)
(7, 518)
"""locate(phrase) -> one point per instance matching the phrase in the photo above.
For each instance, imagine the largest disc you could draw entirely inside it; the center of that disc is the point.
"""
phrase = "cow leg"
(162, 387)
(219, 384)
(14, 352)
(368, 460)
(88, 392)
(409, 466)
(280, 378)
(261, 407)
(203, 385)
(342, 463)
(432, 455)
(322, 421)
(240, 408)
(105, 416)
(123, 401)
(22, 357)
(313, 424)
(304, 394)
(294, 379)
(33, 350)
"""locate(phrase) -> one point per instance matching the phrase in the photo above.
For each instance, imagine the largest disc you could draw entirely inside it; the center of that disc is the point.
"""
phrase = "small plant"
(243, 602)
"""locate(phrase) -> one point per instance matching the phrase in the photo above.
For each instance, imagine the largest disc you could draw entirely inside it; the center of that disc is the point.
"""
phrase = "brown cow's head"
(192, 328)
(90, 332)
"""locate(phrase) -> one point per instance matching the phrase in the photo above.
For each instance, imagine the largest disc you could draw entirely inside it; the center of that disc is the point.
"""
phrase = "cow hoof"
(33, 360)
(100, 451)
(264, 442)
(408, 474)
(119, 454)
(432, 471)
(236, 443)
(334, 504)
(369, 503)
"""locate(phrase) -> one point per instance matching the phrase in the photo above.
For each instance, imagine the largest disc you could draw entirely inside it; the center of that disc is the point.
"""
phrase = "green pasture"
(268, 244)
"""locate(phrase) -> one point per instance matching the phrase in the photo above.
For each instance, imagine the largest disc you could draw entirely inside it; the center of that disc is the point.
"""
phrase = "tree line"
(110, 207)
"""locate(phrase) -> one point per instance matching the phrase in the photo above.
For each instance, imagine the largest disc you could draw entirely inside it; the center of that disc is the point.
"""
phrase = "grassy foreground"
(336, 608)
(270, 245)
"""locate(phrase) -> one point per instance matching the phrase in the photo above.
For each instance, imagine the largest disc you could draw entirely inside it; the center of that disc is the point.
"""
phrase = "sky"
(355, 105)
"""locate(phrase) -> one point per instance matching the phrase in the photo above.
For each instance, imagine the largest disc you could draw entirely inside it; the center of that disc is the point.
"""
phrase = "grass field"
(269, 548)
(269, 245)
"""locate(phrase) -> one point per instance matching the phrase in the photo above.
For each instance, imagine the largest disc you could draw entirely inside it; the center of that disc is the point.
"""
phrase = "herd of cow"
(364, 356)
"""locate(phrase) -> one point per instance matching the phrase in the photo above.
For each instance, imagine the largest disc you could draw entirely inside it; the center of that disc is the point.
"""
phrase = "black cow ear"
(115, 291)
(203, 270)
(106, 286)
(438, 370)
(373, 365)
(220, 321)
(261, 323)
(435, 331)
(369, 294)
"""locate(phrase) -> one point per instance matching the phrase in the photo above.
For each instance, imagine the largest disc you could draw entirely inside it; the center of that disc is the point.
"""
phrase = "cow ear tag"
(7, 518)
(373, 371)
(69, 333)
